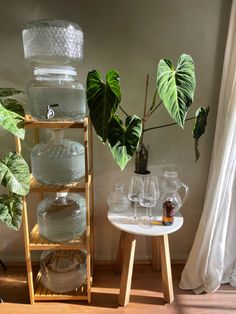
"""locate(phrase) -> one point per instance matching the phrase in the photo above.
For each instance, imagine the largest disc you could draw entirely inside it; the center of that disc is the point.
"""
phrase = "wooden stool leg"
(127, 269)
(120, 253)
(166, 269)
(156, 264)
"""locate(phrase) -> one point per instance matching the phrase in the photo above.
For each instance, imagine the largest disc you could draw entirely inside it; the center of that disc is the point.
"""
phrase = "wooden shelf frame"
(33, 241)
(44, 294)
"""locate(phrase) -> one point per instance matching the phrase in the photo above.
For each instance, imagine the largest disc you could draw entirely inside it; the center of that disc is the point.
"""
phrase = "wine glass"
(149, 196)
(134, 192)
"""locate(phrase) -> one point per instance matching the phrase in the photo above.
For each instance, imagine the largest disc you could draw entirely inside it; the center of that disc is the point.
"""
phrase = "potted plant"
(175, 88)
(14, 171)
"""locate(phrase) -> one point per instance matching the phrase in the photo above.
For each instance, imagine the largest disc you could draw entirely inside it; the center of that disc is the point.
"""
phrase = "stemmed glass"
(149, 196)
(134, 192)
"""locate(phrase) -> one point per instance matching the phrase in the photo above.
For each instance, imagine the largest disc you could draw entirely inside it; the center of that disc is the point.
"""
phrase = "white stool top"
(121, 220)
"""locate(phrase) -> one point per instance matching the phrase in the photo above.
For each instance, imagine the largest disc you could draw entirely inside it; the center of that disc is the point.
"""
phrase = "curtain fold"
(212, 259)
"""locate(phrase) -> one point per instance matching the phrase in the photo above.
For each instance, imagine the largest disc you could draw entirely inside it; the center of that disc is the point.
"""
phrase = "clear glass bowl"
(58, 161)
(63, 271)
(62, 218)
(52, 41)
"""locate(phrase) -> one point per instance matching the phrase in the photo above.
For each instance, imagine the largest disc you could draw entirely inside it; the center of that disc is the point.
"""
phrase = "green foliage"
(176, 86)
(11, 210)
(199, 127)
(6, 92)
(123, 139)
(11, 112)
(14, 171)
(103, 99)
(14, 174)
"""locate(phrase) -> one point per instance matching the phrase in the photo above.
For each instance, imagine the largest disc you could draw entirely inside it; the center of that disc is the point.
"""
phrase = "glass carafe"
(62, 217)
(171, 187)
(58, 161)
(63, 271)
(118, 200)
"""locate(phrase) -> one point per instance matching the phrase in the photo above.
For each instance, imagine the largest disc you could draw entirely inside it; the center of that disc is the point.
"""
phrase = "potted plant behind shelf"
(14, 171)
(175, 88)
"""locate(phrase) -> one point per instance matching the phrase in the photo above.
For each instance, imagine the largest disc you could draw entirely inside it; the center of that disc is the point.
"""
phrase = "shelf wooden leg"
(156, 263)
(120, 253)
(166, 269)
(127, 269)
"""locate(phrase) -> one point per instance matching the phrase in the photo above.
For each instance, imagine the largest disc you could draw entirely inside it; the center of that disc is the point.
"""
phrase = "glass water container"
(62, 218)
(58, 161)
(63, 271)
(56, 94)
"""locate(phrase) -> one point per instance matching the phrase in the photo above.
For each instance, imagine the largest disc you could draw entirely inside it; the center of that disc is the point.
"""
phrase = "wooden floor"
(146, 295)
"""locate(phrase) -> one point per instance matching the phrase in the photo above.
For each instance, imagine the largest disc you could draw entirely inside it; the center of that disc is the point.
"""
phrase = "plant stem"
(145, 108)
(123, 111)
(165, 125)
(151, 112)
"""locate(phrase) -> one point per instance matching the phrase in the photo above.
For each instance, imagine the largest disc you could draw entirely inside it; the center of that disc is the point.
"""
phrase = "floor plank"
(146, 295)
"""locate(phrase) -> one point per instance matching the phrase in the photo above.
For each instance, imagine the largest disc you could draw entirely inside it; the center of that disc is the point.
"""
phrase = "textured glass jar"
(56, 94)
(58, 161)
(52, 41)
(170, 186)
(118, 200)
(62, 217)
(63, 271)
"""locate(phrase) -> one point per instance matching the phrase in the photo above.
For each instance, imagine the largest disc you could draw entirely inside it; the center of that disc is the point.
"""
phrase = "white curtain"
(212, 260)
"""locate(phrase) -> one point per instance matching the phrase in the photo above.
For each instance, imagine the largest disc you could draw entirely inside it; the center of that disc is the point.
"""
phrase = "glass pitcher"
(171, 186)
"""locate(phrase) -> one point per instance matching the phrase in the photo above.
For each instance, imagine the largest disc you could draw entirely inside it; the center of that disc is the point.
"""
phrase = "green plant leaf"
(199, 127)
(6, 92)
(11, 210)
(12, 121)
(103, 99)
(14, 106)
(176, 86)
(14, 174)
(123, 139)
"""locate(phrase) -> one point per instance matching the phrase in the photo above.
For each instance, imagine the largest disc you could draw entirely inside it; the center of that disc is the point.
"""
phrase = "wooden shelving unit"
(34, 242)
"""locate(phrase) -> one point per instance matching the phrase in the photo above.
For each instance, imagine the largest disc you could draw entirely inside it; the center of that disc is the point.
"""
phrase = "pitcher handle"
(182, 185)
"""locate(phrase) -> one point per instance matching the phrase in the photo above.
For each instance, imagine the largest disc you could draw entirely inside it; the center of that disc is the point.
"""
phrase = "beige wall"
(130, 36)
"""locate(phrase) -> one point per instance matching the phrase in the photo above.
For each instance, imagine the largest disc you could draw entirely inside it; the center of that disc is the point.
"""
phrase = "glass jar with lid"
(62, 217)
(58, 161)
(55, 93)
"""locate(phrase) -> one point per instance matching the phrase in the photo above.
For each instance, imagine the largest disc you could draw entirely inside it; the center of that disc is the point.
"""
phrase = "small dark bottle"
(168, 212)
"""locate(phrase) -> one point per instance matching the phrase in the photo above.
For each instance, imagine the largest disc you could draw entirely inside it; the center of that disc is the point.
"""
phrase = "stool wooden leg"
(127, 269)
(156, 263)
(166, 269)
(120, 253)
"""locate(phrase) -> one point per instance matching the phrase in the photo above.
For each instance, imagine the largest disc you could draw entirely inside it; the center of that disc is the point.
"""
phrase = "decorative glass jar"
(118, 200)
(56, 94)
(170, 186)
(63, 271)
(58, 161)
(62, 218)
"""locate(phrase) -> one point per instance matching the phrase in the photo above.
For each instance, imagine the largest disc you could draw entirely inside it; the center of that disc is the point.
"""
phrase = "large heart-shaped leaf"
(123, 139)
(11, 210)
(199, 126)
(6, 91)
(176, 86)
(14, 174)
(12, 121)
(14, 106)
(103, 99)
